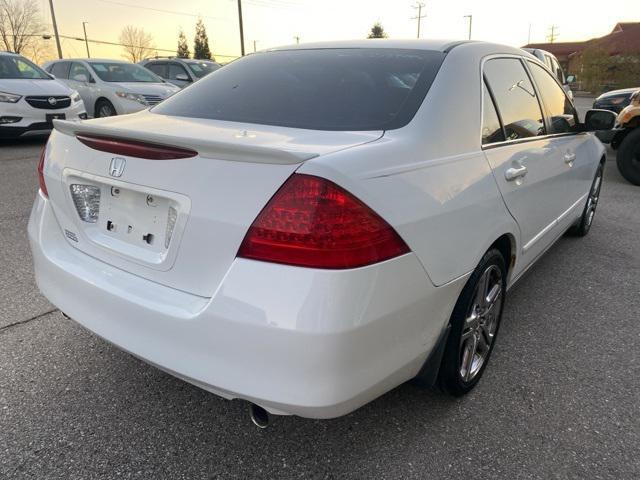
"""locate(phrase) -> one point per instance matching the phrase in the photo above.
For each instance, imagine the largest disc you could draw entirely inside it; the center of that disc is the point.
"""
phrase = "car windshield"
(18, 67)
(123, 72)
(319, 89)
(200, 69)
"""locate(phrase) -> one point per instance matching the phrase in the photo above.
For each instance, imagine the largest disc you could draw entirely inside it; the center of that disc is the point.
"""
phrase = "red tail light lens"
(312, 222)
(132, 148)
(43, 186)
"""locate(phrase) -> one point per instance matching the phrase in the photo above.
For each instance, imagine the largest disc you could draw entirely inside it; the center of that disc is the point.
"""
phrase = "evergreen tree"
(377, 31)
(201, 43)
(183, 48)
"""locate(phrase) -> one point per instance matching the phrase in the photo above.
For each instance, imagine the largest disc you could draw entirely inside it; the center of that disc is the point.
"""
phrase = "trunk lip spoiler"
(216, 149)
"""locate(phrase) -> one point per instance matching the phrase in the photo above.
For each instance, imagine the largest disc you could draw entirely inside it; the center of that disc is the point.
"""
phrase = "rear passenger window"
(60, 70)
(159, 69)
(562, 117)
(491, 128)
(515, 98)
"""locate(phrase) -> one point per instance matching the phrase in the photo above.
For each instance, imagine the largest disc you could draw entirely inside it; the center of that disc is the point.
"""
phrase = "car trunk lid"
(176, 222)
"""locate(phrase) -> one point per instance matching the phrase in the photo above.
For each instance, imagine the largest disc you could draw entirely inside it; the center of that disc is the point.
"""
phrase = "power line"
(160, 10)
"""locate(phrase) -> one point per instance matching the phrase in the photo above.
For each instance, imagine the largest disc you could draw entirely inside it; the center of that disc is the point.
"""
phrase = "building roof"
(623, 39)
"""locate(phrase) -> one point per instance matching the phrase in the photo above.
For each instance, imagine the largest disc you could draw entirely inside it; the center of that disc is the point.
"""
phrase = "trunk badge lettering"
(117, 166)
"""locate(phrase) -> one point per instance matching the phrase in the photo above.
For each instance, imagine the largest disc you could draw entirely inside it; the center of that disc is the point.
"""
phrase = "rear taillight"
(134, 148)
(312, 222)
(43, 186)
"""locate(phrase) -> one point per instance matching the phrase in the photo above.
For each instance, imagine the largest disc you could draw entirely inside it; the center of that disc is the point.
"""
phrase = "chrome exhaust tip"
(259, 416)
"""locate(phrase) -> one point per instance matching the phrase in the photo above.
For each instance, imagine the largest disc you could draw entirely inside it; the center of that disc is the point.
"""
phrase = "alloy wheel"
(481, 323)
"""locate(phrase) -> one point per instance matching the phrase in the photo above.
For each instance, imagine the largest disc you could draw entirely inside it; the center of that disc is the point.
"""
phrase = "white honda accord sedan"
(311, 226)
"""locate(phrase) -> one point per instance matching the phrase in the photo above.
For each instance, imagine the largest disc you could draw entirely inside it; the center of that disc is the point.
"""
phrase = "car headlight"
(9, 97)
(135, 97)
(75, 97)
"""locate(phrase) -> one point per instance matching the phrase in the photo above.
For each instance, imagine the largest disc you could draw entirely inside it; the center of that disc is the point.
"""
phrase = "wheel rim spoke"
(481, 322)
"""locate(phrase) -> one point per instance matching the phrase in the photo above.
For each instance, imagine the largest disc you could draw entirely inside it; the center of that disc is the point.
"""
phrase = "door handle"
(569, 158)
(514, 173)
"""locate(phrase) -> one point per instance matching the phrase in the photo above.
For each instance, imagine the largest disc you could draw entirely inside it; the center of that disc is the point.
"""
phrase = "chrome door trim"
(570, 209)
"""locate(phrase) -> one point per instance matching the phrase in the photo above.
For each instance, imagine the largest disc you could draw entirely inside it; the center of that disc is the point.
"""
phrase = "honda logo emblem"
(117, 166)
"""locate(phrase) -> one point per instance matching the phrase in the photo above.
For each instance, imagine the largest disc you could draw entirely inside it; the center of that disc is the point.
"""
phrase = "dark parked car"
(180, 71)
(614, 100)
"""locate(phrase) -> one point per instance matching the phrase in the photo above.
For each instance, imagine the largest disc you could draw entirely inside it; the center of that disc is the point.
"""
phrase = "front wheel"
(104, 108)
(628, 158)
(474, 326)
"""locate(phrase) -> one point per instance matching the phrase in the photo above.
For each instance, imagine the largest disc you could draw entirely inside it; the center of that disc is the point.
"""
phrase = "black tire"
(453, 377)
(628, 158)
(104, 108)
(583, 226)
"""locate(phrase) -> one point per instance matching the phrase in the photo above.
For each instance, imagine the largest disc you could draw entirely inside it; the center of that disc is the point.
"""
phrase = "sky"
(276, 22)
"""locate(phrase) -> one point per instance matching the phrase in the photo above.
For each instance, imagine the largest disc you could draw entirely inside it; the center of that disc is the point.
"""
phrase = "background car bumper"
(34, 120)
(314, 343)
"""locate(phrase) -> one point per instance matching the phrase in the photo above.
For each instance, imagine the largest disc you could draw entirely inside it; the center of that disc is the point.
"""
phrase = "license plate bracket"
(50, 117)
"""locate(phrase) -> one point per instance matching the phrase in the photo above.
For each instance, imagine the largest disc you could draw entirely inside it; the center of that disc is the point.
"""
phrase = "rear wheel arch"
(506, 245)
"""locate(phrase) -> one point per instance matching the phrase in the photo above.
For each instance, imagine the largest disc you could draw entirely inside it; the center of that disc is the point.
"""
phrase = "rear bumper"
(308, 342)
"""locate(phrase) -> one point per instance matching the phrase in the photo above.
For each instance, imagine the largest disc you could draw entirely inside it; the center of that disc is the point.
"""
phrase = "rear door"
(521, 156)
(572, 150)
(87, 90)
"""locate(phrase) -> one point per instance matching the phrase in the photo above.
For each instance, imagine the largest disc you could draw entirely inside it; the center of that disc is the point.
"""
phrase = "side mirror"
(81, 77)
(571, 78)
(183, 77)
(601, 122)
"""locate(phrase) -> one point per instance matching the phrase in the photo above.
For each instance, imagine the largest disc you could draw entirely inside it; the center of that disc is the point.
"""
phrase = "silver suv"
(180, 71)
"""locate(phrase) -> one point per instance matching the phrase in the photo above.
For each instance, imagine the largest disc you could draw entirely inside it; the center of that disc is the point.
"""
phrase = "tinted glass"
(176, 69)
(323, 89)
(491, 128)
(60, 69)
(562, 117)
(79, 69)
(123, 72)
(17, 67)
(200, 69)
(515, 98)
(557, 70)
(159, 69)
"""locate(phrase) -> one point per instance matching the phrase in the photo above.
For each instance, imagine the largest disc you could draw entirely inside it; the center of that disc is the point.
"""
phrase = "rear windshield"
(123, 72)
(324, 89)
(12, 66)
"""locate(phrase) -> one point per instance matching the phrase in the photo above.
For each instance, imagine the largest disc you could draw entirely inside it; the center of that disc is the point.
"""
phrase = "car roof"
(620, 91)
(105, 60)
(410, 44)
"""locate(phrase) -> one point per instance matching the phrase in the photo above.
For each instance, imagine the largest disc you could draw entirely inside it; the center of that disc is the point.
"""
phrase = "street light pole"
(241, 28)
(86, 42)
(470, 17)
(55, 28)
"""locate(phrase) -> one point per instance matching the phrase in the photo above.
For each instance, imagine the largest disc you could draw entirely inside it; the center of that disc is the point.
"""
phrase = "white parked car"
(111, 87)
(312, 226)
(30, 98)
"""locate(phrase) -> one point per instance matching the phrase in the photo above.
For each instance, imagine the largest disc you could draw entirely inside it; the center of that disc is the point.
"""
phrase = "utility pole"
(470, 17)
(254, 45)
(529, 36)
(86, 42)
(419, 6)
(241, 27)
(55, 28)
(553, 35)
(297, 39)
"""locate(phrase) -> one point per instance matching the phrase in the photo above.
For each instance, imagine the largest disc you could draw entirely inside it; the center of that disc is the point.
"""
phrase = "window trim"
(505, 143)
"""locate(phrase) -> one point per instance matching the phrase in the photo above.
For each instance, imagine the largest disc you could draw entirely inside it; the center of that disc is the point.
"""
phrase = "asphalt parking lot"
(560, 399)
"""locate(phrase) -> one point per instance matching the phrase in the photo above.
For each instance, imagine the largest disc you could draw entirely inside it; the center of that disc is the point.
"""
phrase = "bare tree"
(137, 43)
(20, 24)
